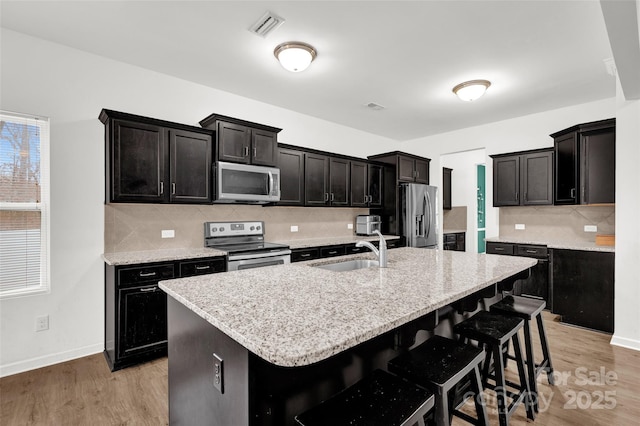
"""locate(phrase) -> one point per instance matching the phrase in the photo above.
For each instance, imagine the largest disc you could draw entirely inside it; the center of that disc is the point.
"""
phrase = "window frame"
(43, 206)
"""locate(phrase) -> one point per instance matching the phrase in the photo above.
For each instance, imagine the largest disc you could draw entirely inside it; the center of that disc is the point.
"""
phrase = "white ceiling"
(404, 55)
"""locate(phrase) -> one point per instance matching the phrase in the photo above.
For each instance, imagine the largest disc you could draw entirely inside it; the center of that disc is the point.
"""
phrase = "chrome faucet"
(381, 254)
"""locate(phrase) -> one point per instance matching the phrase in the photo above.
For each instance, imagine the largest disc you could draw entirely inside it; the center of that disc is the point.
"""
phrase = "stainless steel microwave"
(245, 183)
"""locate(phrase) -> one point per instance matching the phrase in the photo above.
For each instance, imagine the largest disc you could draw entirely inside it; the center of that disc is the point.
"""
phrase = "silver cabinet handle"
(332, 197)
(333, 252)
(326, 196)
(173, 188)
(161, 187)
(573, 193)
(246, 151)
(498, 249)
(532, 251)
(202, 268)
(146, 274)
(149, 289)
(517, 196)
(255, 152)
(305, 255)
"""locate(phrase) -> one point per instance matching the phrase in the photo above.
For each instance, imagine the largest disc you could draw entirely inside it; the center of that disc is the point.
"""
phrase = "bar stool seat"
(528, 308)
(379, 399)
(494, 331)
(440, 364)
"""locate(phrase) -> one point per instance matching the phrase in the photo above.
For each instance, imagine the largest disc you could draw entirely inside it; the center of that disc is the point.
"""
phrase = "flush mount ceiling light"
(471, 90)
(294, 55)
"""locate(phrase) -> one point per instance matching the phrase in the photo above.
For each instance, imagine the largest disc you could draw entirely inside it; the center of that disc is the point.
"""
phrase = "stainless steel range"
(245, 245)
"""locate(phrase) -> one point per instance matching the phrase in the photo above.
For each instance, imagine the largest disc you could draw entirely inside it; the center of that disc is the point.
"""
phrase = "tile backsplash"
(135, 227)
(456, 218)
(564, 223)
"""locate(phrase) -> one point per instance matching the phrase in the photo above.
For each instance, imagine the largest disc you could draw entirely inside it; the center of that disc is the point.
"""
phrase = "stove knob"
(214, 229)
(252, 228)
(258, 228)
(222, 229)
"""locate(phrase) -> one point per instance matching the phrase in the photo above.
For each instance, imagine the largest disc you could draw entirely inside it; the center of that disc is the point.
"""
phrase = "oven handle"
(264, 255)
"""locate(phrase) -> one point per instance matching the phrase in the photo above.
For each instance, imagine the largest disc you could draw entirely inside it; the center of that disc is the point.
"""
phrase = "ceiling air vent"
(268, 23)
(374, 106)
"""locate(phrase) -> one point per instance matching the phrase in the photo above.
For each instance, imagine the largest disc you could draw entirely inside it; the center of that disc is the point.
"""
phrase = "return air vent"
(268, 23)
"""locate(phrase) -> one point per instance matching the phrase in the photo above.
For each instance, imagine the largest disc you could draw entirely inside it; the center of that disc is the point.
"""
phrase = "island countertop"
(295, 315)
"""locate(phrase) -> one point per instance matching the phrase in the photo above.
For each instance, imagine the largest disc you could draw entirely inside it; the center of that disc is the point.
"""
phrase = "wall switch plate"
(520, 226)
(42, 323)
(349, 225)
(168, 233)
(590, 228)
(294, 228)
(218, 373)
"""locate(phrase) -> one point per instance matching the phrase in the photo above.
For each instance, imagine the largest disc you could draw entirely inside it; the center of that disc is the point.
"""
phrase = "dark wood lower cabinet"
(136, 308)
(310, 253)
(454, 241)
(583, 288)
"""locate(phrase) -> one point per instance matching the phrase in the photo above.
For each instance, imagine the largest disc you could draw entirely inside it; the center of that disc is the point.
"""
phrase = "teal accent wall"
(481, 181)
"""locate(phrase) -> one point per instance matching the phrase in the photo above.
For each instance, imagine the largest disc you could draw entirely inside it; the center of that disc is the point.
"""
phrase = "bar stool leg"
(501, 386)
(478, 399)
(528, 399)
(531, 365)
(545, 349)
(442, 407)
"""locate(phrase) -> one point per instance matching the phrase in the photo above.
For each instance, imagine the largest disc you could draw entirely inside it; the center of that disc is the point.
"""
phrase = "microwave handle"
(270, 183)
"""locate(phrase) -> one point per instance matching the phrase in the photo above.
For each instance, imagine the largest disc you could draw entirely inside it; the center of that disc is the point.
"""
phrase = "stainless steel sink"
(349, 265)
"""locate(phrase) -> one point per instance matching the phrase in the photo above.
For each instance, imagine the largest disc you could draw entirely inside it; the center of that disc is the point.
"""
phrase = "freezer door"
(419, 213)
(430, 205)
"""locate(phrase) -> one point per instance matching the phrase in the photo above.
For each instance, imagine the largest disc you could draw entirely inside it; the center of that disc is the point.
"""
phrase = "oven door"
(258, 260)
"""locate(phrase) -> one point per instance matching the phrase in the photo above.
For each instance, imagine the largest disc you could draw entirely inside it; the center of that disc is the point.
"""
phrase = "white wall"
(71, 87)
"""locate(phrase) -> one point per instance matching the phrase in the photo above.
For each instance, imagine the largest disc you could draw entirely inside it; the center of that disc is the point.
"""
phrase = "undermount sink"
(349, 265)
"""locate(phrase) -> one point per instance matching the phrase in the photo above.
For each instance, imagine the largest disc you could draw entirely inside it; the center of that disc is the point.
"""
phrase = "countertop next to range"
(168, 255)
(294, 315)
(565, 245)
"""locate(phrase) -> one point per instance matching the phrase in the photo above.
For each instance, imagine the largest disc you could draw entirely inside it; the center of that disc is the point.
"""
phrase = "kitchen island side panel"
(193, 398)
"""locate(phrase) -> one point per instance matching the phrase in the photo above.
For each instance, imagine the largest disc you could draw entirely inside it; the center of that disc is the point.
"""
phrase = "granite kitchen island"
(289, 336)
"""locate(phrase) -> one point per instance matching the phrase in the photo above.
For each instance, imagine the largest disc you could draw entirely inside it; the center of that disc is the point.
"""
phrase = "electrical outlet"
(590, 228)
(218, 373)
(349, 225)
(168, 233)
(520, 226)
(42, 323)
(294, 228)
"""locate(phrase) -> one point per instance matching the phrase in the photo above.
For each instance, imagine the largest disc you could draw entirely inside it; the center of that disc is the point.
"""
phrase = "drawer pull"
(149, 289)
(532, 251)
(146, 274)
(333, 252)
(203, 268)
(305, 255)
(499, 249)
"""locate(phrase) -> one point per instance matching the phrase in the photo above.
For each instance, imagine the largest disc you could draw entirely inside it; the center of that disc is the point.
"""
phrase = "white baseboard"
(46, 360)
(625, 343)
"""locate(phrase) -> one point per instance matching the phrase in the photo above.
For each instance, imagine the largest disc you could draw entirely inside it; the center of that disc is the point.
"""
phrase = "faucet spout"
(381, 253)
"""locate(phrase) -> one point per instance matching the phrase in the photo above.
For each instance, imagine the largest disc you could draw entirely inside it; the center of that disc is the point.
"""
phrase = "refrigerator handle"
(427, 201)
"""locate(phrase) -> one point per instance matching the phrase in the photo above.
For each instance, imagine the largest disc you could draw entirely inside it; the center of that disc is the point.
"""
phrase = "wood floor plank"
(85, 392)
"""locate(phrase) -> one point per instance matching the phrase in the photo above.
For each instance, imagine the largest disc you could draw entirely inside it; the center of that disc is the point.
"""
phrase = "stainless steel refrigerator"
(419, 214)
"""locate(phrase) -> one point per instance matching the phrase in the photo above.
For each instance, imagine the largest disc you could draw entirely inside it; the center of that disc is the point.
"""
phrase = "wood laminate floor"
(596, 384)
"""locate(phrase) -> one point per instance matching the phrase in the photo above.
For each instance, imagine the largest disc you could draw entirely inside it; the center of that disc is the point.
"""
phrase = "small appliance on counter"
(368, 224)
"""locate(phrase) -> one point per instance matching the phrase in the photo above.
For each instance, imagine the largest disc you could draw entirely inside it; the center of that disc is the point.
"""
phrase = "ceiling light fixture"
(295, 56)
(471, 90)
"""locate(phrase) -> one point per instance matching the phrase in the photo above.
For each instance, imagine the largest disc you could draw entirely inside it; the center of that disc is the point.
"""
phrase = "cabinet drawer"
(539, 252)
(395, 243)
(299, 255)
(500, 248)
(332, 251)
(352, 249)
(201, 267)
(142, 274)
(449, 238)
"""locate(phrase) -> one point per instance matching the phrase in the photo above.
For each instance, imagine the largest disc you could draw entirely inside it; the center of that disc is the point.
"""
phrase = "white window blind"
(24, 204)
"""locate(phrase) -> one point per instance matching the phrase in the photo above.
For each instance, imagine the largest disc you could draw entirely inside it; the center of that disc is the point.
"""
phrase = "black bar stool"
(528, 308)
(379, 399)
(494, 331)
(440, 364)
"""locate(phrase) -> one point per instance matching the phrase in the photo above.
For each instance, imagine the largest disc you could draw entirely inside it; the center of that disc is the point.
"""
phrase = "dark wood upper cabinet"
(316, 179)
(240, 141)
(523, 179)
(446, 188)
(359, 189)
(291, 164)
(374, 183)
(409, 167)
(422, 170)
(339, 181)
(585, 163)
(155, 161)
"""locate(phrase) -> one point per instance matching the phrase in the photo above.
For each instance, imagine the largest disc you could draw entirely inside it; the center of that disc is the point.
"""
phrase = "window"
(24, 204)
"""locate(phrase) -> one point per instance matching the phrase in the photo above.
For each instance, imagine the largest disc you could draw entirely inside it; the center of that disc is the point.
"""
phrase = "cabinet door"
(316, 174)
(339, 181)
(143, 320)
(375, 178)
(583, 290)
(537, 178)
(291, 164)
(359, 190)
(566, 169)
(506, 181)
(446, 188)
(537, 284)
(264, 147)
(422, 171)
(406, 169)
(190, 170)
(598, 167)
(233, 142)
(138, 153)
